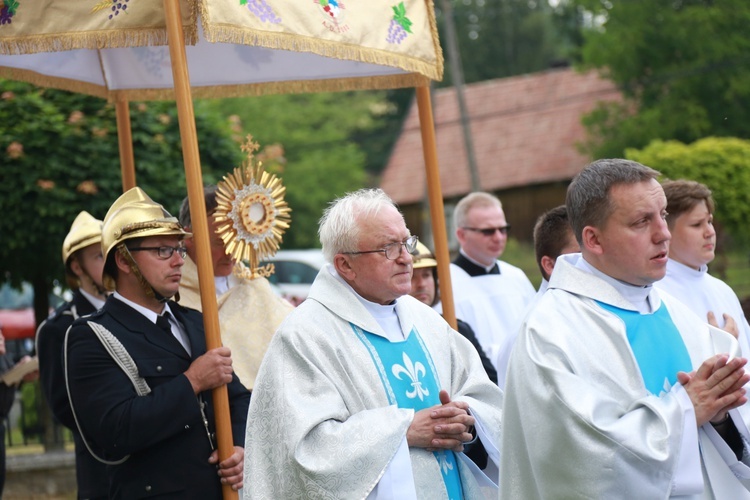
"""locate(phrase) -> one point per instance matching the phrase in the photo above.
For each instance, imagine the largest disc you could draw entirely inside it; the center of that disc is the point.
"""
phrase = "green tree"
(59, 155)
(721, 163)
(499, 38)
(681, 66)
(327, 140)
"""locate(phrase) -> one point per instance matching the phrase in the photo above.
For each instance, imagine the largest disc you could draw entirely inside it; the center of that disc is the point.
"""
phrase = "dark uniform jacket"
(162, 433)
(91, 475)
(466, 330)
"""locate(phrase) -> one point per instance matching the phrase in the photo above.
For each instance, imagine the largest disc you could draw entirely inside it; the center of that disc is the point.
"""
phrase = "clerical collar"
(95, 301)
(474, 268)
(385, 315)
(673, 265)
(638, 296)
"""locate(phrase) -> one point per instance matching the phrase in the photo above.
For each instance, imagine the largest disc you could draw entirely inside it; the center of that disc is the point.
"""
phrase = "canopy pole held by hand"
(199, 220)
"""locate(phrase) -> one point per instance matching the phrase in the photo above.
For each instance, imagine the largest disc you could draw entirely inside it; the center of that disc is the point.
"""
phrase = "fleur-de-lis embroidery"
(445, 465)
(414, 371)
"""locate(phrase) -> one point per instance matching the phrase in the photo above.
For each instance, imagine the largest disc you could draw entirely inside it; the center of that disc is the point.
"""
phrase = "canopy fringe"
(326, 48)
(91, 40)
(255, 89)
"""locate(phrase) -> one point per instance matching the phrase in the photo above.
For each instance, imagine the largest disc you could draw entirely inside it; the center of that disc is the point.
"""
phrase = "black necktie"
(163, 323)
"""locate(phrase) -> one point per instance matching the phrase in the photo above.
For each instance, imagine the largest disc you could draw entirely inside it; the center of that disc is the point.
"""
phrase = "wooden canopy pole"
(435, 194)
(125, 139)
(199, 220)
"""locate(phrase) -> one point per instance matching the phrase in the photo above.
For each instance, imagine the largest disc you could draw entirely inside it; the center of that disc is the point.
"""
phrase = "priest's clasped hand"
(447, 426)
(716, 387)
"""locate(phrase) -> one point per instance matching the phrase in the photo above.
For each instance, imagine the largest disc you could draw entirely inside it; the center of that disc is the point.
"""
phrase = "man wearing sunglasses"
(366, 392)
(489, 294)
(137, 370)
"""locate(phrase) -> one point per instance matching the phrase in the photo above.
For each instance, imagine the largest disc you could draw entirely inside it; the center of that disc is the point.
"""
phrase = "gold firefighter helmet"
(85, 231)
(423, 257)
(135, 215)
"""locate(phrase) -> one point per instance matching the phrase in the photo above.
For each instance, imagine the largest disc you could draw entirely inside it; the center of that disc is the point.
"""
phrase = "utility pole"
(457, 75)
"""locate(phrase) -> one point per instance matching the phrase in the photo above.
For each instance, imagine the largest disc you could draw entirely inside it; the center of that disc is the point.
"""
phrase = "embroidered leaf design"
(399, 15)
(104, 4)
(12, 6)
(243, 2)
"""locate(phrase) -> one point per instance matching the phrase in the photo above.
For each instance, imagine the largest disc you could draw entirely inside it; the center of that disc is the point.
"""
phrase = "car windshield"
(13, 298)
(23, 298)
(293, 272)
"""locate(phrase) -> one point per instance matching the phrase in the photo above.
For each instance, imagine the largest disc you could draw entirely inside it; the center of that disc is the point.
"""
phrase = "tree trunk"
(50, 431)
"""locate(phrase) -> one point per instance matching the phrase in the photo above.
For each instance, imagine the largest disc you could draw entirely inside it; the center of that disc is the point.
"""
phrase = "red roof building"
(525, 130)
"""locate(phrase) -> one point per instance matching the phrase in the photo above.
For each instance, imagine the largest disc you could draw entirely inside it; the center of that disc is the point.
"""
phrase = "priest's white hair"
(339, 228)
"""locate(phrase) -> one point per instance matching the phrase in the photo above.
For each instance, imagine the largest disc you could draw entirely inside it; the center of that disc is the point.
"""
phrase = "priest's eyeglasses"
(392, 251)
(164, 252)
(490, 231)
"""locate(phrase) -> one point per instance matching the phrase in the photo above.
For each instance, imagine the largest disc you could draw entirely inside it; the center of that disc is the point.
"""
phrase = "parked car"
(17, 317)
(295, 271)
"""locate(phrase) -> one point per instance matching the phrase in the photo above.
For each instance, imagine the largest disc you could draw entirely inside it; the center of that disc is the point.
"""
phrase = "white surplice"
(702, 293)
(249, 313)
(320, 424)
(578, 421)
(493, 305)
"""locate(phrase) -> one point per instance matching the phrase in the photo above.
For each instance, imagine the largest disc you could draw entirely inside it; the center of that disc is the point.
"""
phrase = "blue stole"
(410, 381)
(657, 346)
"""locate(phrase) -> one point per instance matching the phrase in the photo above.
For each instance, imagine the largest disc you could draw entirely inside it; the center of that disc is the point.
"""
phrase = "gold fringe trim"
(216, 92)
(285, 87)
(314, 86)
(111, 39)
(41, 80)
(327, 48)
(435, 39)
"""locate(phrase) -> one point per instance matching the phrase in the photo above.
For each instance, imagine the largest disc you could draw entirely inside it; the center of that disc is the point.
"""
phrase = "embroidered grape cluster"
(153, 59)
(5, 15)
(8, 11)
(400, 25)
(263, 11)
(117, 6)
(396, 33)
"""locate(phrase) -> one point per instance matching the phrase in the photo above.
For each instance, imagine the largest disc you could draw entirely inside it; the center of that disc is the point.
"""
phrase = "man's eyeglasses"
(392, 251)
(490, 231)
(164, 252)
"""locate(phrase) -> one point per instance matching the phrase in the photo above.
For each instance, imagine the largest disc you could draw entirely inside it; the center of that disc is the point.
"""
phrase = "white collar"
(95, 301)
(681, 268)
(385, 315)
(638, 296)
(151, 315)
